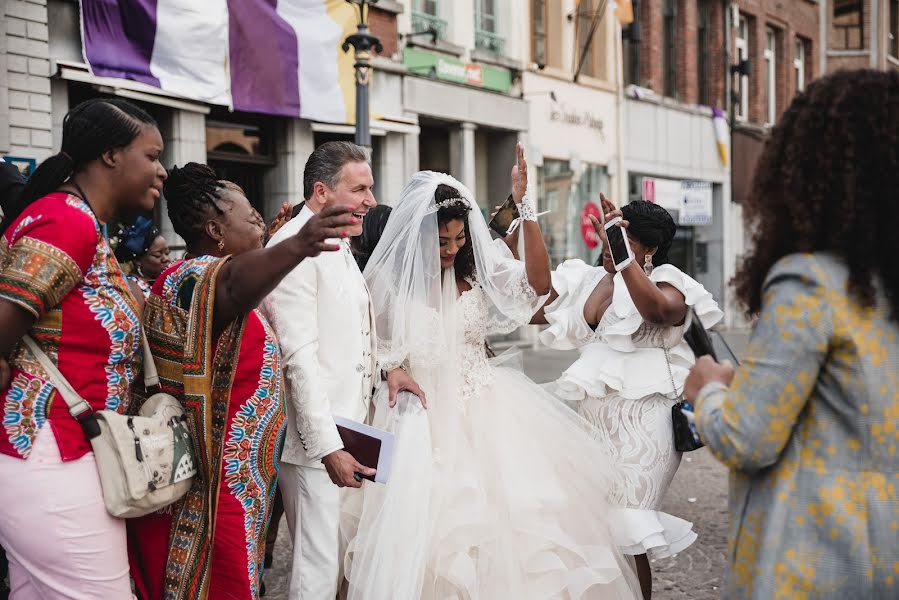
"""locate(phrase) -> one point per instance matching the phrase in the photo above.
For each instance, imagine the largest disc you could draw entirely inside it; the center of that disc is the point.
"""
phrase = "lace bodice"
(474, 322)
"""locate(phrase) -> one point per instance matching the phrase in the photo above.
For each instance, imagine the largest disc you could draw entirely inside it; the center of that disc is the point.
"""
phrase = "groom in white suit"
(322, 315)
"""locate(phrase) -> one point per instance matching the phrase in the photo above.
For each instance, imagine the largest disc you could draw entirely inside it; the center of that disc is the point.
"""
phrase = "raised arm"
(747, 423)
(536, 258)
(246, 279)
(658, 303)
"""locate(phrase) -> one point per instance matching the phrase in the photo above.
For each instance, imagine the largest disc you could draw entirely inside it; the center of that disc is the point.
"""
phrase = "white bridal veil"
(404, 276)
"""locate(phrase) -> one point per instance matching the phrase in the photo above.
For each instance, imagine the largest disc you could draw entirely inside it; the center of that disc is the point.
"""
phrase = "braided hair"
(652, 226)
(464, 264)
(192, 194)
(88, 130)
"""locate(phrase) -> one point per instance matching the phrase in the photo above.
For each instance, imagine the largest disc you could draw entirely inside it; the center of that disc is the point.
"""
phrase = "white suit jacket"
(328, 367)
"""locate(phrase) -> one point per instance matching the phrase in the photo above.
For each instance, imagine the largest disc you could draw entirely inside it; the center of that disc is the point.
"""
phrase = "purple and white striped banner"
(279, 57)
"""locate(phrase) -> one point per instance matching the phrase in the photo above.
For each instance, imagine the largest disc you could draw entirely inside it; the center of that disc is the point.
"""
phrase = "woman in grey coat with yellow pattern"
(809, 424)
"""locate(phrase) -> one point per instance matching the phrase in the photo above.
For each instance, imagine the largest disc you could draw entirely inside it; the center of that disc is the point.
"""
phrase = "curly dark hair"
(465, 265)
(192, 194)
(652, 225)
(828, 180)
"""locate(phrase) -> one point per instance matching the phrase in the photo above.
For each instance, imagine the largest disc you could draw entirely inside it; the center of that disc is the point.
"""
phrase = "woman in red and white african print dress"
(223, 362)
(61, 284)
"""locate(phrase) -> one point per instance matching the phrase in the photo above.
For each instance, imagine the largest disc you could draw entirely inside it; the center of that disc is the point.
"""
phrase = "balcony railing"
(423, 21)
(489, 41)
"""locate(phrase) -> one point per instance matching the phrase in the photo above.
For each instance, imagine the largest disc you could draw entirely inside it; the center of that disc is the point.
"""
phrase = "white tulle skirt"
(511, 502)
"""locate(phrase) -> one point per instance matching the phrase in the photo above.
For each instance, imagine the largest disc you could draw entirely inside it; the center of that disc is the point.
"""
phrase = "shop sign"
(421, 62)
(588, 232)
(565, 114)
(692, 200)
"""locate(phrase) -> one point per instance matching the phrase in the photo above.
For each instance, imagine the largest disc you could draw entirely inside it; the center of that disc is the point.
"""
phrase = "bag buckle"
(84, 414)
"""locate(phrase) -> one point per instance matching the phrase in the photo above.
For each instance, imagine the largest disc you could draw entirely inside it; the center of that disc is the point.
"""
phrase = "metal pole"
(363, 43)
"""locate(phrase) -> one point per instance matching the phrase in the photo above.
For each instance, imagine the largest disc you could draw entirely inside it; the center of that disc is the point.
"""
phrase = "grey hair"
(326, 161)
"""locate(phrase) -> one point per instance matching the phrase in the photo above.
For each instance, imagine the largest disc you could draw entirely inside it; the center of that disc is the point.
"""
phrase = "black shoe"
(261, 587)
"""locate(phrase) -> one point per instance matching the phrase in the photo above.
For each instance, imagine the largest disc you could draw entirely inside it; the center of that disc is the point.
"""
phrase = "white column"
(294, 142)
(184, 135)
(462, 154)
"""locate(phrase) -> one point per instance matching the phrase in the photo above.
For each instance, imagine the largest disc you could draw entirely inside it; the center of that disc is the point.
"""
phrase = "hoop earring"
(647, 264)
(221, 245)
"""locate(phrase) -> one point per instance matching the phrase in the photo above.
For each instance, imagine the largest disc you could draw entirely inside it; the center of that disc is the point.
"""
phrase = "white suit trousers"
(312, 508)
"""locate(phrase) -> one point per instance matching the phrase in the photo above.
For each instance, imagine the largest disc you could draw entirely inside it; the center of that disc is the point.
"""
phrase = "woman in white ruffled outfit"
(494, 491)
(629, 327)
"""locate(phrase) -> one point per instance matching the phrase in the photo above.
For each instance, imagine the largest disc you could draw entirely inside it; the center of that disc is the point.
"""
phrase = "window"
(588, 21)
(894, 28)
(485, 31)
(770, 75)
(799, 64)
(591, 41)
(538, 31)
(848, 25)
(631, 47)
(669, 48)
(742, 88)
(704, 51)
(426, 15)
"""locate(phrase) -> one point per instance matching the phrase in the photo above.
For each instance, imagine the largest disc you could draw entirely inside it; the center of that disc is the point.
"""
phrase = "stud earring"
(221, 245)
(647, 264)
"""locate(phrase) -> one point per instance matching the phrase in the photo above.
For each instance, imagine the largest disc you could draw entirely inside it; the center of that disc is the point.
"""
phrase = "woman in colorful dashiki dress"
(218, 355)
(61, 284)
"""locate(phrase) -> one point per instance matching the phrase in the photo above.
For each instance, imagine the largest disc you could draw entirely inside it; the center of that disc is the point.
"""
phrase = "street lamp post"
(363, 43)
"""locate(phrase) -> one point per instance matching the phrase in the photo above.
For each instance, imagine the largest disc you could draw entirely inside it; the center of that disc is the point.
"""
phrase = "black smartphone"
(502, 220)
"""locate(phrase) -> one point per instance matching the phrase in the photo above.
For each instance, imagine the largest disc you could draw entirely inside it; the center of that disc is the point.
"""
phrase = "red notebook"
(369, 445)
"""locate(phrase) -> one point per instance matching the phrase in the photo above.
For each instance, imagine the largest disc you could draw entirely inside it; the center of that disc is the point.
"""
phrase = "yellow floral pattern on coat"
(809, 430)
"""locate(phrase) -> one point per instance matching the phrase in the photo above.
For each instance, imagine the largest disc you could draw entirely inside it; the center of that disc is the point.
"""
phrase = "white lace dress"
(495, 491)
(622, 386)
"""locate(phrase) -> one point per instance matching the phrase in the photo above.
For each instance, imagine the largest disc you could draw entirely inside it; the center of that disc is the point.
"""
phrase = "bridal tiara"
(451, 202)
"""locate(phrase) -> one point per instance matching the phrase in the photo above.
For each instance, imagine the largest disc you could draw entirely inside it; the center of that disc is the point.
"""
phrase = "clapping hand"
(609, 212)
(331, 223)
(519, 175)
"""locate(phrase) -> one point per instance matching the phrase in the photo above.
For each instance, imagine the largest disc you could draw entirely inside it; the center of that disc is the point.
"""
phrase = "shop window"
(538, 31)
(669, 48)
(848, 25)
(770, 75)
(239, 148)
(486, 33)
(704, 52)
(742, 85)
(426, 15)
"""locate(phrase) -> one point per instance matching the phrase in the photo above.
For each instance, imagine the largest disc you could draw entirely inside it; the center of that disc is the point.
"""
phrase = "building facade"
(674, 131)
(44, 74)
(571, 81)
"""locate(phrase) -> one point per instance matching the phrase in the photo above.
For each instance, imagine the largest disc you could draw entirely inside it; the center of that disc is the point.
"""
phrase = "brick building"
(860, 34)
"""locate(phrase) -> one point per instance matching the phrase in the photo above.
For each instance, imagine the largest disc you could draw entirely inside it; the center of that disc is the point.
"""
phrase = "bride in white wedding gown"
(495, 491)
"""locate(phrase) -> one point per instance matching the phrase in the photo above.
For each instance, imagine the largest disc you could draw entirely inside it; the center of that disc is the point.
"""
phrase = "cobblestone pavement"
(697, 494)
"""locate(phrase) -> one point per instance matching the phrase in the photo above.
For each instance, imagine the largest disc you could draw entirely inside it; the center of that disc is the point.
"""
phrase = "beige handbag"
(146, 461)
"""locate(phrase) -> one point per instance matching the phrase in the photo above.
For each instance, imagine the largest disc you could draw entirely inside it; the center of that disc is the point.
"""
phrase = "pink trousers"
(60, 541)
